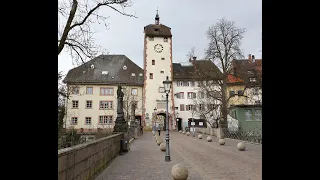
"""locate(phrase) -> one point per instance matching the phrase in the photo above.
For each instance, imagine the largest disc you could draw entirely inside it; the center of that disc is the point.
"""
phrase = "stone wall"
(86, 161)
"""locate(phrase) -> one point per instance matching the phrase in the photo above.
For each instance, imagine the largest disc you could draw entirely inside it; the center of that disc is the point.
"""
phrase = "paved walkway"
(204, 160)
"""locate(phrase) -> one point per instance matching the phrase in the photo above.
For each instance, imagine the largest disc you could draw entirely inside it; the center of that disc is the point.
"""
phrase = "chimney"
(253, 59)
(250, 58)
(192, 59)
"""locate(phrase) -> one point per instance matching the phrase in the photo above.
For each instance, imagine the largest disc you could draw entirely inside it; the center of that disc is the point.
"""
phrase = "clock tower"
(157, 66)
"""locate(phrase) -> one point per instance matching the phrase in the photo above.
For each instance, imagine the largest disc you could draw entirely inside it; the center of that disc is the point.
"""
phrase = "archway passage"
(179, 124)
(164, 120)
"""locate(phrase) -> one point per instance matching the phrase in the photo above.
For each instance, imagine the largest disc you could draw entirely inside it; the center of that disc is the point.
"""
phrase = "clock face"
(158, 48)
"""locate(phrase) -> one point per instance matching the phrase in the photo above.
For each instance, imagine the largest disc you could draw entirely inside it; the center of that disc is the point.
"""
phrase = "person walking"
(159, 129)
(141, 129)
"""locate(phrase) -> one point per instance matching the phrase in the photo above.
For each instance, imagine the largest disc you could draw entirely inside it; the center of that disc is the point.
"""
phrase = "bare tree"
(130, 101)
(191, 53)
(76, 18)
(223, 47)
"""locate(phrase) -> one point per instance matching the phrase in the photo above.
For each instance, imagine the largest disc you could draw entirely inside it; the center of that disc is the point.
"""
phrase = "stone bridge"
(204, 160)
(144, 161)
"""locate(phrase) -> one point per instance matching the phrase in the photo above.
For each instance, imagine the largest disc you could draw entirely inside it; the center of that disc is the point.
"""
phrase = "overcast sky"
(189, 21)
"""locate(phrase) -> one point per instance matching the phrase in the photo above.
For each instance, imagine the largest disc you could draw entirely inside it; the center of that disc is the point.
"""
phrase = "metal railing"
(254, 136)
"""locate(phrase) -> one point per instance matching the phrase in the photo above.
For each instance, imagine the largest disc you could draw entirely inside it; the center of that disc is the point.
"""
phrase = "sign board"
(193, 123)
(200, 123)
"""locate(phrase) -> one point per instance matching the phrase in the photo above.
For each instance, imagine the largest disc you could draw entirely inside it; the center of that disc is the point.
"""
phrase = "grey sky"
(188, 19)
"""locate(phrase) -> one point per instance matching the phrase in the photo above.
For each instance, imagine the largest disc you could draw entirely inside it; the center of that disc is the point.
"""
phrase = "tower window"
(165, 39)
(151, 76)
(162, 58)
(151, 39)
(153, 62)
(162, 72)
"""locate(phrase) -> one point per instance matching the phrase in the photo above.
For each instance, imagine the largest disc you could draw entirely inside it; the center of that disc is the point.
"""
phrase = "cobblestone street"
(204, 160)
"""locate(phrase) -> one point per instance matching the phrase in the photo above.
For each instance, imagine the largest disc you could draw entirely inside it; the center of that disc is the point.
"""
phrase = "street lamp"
(155, 110)
(167, 85)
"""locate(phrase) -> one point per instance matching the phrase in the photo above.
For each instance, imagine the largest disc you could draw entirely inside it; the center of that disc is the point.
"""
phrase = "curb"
(131, 140)
(245, 141)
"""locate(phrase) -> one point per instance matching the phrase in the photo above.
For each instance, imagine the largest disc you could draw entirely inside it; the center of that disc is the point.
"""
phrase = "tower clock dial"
(158, 48)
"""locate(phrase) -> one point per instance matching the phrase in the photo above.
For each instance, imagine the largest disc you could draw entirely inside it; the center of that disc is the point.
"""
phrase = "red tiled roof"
(233, 79)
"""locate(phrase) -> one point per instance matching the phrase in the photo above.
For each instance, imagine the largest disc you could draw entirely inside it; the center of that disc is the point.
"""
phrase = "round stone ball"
(200, 136)
(222, 141)
(179, 172)
(158, 142)
(163, 147)
(188, 133)
(180, 131)
(209, 138)
(241, 146)
(183, 132)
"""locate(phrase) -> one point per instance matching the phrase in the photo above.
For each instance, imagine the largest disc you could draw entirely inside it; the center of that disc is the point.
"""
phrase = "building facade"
(157, 66)
(92, 102)
(192, 104)
(244, 85)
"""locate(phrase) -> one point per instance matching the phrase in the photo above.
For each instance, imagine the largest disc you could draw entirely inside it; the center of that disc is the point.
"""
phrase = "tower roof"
(157, 30)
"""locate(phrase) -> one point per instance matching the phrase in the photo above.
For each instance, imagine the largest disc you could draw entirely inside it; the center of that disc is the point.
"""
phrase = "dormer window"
(165, 39)
(156, 29)
(252, 79)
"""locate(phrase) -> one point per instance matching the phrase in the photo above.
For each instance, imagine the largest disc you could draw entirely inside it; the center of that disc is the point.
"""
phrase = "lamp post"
(154, 127)
(193, 129)
(167, 85)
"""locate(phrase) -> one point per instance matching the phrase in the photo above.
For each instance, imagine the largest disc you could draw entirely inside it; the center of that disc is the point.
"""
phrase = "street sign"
(200, 123)
(193, 123)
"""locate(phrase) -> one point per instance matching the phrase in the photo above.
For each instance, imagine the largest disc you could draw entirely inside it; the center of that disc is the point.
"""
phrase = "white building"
(93, 100)
(188, 93)
(157, 66)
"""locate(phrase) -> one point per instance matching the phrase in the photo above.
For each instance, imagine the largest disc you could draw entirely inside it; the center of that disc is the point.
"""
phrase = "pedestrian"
(159, 129)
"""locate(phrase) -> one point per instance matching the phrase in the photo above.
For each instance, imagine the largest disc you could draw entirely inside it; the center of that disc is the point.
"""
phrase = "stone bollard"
(180, 131)
(241, 146)
(163, 147)
(183, 132)
(222, 141)
(179, 172)
(158, 142)
(188, 133)
(209, 138)
(200, 136)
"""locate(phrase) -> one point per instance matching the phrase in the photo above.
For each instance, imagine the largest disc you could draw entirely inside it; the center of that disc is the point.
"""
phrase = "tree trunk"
(224, 109)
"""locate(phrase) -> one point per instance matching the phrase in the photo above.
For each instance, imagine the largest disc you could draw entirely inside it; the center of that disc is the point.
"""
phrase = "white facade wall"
(151, 86)
(82, 112)
(184, 115)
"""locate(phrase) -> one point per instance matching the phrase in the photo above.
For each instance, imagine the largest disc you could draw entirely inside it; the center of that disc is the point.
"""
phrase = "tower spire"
(157, 18)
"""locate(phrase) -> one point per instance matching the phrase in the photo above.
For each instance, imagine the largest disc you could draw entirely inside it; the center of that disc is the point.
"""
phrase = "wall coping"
(68, 150)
